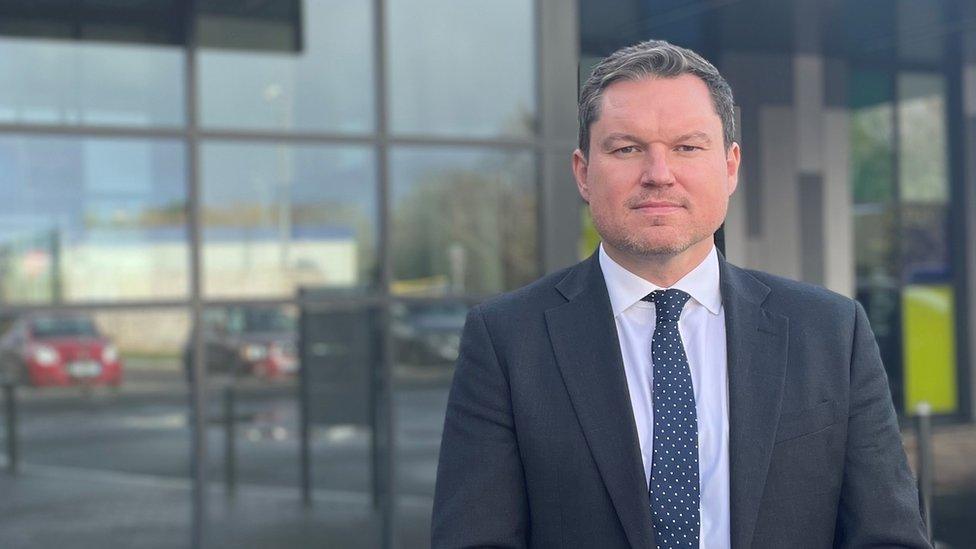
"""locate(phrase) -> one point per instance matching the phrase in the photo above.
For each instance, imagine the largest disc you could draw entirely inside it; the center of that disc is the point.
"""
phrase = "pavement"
(49, 507)
(102, 468)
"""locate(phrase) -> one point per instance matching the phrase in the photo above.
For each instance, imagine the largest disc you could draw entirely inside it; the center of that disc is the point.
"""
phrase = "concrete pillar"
(559, 201)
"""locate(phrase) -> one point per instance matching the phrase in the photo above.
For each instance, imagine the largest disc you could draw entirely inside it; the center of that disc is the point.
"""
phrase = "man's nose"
(657, 171)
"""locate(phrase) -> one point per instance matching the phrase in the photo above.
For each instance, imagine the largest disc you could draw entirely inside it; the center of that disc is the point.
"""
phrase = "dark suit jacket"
(540, 446)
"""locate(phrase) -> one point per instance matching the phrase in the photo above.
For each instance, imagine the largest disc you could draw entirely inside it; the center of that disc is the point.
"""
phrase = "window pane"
(873, 189)
(279, 216)
(72, 82)
(87, 219)
(922, 166)
(462, 68)
(263, 424)
(928, 297)
(252, 344)
(103, 429)
(425, 347)
(325, 85)
(463, 220)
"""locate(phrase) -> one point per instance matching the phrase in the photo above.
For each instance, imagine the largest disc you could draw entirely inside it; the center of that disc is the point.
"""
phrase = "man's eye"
(687, 148)
(626, 150)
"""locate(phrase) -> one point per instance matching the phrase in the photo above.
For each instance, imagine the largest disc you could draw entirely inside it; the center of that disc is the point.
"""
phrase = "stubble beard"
(635, 244)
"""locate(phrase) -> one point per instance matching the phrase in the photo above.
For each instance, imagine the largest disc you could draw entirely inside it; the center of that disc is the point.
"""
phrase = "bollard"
(230, 454)
(923, 438)
(13, 451)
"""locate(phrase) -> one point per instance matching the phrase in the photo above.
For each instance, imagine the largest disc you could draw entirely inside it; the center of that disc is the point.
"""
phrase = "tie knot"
(667, 303)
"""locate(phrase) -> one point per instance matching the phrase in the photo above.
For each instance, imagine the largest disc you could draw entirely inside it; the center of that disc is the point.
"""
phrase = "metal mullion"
(956, 212)
(254, 135)
(470, 299)
(319, 305)
(540, 153)
(284, 301)
(198, 389)
(91, 131)
(94, 306)
(436, 141)
(385, 444)
(285, 137)
(373, 301)
(371, 139)
(899, 249)
(358, 301)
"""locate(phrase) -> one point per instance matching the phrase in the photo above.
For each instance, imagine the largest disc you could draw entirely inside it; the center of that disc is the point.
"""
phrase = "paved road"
(130, 450)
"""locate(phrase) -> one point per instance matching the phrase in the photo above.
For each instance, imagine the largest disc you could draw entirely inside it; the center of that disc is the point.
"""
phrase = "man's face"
(658, 177)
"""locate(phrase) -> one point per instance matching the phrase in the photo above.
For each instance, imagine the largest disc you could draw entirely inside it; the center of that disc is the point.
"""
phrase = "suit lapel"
(584, 339)
(757, 353)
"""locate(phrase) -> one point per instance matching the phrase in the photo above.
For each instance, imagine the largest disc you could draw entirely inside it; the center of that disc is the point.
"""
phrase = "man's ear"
(579, 172)
(732, 159)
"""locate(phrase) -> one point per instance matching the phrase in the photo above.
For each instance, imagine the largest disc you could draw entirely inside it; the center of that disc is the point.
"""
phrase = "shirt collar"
(626, 288)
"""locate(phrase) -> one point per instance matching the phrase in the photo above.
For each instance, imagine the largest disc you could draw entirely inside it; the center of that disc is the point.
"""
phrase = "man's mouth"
(658, 207)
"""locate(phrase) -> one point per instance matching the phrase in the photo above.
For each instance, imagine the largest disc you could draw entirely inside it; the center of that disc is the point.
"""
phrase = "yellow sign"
(928, 333)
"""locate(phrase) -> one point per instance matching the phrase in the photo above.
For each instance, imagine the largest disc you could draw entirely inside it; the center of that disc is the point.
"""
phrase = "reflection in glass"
(426, 337)
(244, 342)
(463, 221)
(901, 224)
(58, 349)
(103, 417)
(928, 296)
(873, 191)
(872, 149)
(319, 87)
(922, 162)
(923, 177)
(260, 416)
(278, 216)
(91, 219)
(458, 71)
(73, 82)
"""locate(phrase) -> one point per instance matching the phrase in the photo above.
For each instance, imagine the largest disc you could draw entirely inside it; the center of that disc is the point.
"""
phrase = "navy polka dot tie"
(674, 487)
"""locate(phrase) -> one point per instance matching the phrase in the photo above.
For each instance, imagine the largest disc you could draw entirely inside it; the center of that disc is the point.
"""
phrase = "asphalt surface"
(105, 468)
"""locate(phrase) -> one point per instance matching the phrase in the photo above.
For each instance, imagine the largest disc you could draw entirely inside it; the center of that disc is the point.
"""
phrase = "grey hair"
(652, 58)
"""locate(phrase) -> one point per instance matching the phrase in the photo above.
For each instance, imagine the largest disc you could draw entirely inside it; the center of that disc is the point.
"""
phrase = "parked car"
(48, 349)
(427, 334)
(247, 341)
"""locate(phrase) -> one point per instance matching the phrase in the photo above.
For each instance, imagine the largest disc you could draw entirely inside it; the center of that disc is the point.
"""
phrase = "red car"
(58, 350)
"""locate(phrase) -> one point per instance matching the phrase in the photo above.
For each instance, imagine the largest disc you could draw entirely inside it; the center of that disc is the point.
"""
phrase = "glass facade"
(280, 172)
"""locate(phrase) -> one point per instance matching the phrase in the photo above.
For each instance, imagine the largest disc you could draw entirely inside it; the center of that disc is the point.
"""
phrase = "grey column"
(559, 208)
(763, 87)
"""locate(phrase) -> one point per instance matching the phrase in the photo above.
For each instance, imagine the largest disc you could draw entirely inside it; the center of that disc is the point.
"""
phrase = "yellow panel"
(928, 335)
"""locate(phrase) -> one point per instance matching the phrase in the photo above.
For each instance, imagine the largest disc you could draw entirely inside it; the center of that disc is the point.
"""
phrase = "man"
(655, 395)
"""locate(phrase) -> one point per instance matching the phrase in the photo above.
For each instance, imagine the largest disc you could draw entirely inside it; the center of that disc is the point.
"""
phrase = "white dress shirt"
(702, 329)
